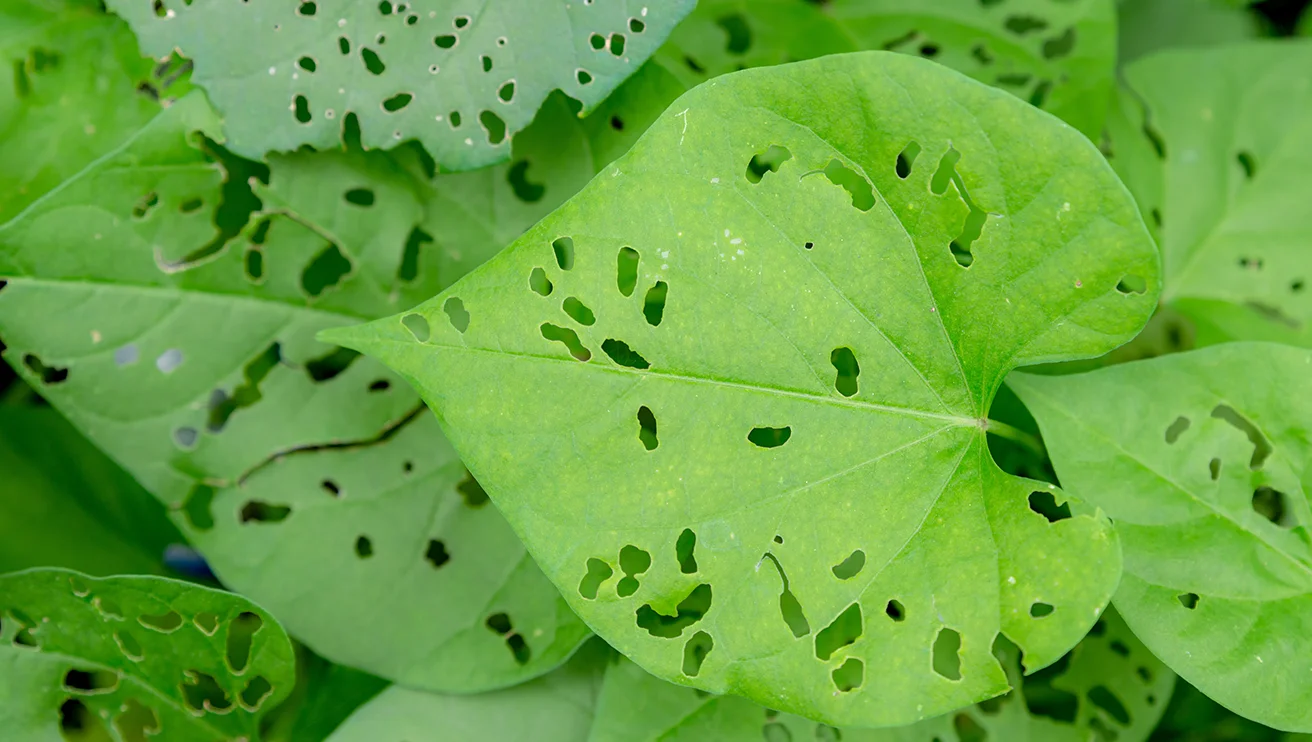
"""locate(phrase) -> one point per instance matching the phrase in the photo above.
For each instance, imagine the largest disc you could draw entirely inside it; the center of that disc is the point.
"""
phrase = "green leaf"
(66, 504)
(1108, 687)
(554, 708)
(1201, 458)
(177, 332)
(460, 82)
(1147, 26)
(1217, 155)
(78, 88)
(324, 695)
(1059, 56)
(675, 484)
(147, 655)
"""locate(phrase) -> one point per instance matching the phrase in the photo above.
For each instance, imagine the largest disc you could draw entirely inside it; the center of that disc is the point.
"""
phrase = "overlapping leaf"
(1202, 459)
(145, 655)
(460, 78)
(740, 425)
(176, 330)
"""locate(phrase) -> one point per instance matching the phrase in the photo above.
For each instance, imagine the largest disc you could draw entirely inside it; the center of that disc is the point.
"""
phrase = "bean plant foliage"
(611, 370)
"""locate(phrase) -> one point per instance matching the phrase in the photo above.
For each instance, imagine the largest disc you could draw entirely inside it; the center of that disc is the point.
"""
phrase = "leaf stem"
(1030, 441)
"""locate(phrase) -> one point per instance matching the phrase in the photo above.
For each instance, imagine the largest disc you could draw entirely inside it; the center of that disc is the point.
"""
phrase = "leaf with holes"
(66, 504)
(1202, 460)
(554, 708)
(766, 431)
(78, 87)
(145, 655)
(460, 78)
(175, 327)
(1213, 145)
(1108, 687)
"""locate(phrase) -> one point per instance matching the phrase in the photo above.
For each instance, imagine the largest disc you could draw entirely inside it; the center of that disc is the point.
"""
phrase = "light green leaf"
(461, 79)
(1218, 157)
(1201, 458)
(67, 505)
(1108, 687)
(145, 655)
(1147, 26)
(695, 483)
(554, 708)
(177, 332)
(78, 88)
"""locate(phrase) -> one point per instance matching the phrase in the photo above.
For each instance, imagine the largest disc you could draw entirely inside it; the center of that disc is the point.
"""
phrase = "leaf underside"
(781, 363)
(1202, 459)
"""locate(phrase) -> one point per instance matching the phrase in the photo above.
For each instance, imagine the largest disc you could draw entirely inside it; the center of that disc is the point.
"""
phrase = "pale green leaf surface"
(1213, 143)
(1061, 704)
(554, 708)
(67, 505)
(145, 654)
(188, 355)
(460, 78)
(745, 340)
(1201, 458)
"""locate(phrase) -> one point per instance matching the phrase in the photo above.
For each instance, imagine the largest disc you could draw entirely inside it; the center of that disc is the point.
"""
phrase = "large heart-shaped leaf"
(1213, 144)
(145, 655)
(1108, 687)
(1202, 460)
(66, 504)
(461, 78)
(733, 394)
(182, 343)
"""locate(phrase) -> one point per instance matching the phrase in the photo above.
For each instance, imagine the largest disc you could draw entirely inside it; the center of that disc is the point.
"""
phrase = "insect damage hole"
(620, 352)
(326, 271)
(768, 161)
(597, 575)
(763, 437)
(689, 611)
(684, 549)
(90, 682)
(455, 311)
(845, 629)
(633, 562)
(1270, 503)
(906, 160)
(472, 492)
(851, 566)
(857, 187)
(1040, 609)
(1177, 429)
(241, 635)
(850, 675)
(653, 304)
(436, 554)
(1261, 446)
(1188, 600)
(895, 611)
(539, 283)
(626, 270)
(568, 338)
(417, 325)
(647, 430)
(1247, 164)
(790, 608)
(563, 248)
(364, 547)
(695, 651)
(947, 654)
(578, 311)
(844, 362)
(1044, 503)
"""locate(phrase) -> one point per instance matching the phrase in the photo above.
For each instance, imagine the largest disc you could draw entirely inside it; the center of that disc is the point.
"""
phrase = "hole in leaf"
(1270, 504)
(738, 33)
(620, 352)
(372, 61)
(579, 312)
(254, 264)
(862, 193)
(895, 611)
(253, 695)
(1044, 503)
(1261, 447)
(397, 102)
(360, 197)
(653, 304)
(307, 63)
(1132, 284)
(633, 562)
(598, 573)
(967, 729)
(1214, 467)
(636, 26)
(494, 126)
(241, 632)
(331, 487)
(307, 8)
(325, 271)
(328, 367)
(203, 693)
(617, 44)
(455, 311)
(568, 338)
(763, 437)
(1176, 429)
(1247, 163)
(564, 251)
(263, 512)
(1040, 610)
(789, 606)
(1188, 600)
(947, 654)
(844, 362)
(344, 45)
(850, 675)
(525, 190)
(539, 283)
(851, 566)
(906, 159)
(165, 623)
(445, 41)
(1104, 699)
(129, 645)
(76, 722)
(417, 325)
(47, 374)
(768, 161)
(689, 611)
(647, 430)
(301, 109)
(683, 551)
(436, 553)
(1060, 46)
(364, 548)
(626, 270)
(90, 682)
(136, 722)
(454, 118)
(584, 77)
(617, 123)
(597, 41)
(197, 507)
(1023, 24)
(842, 632)
(147, 203)
(506, 92)
(409, 268)
(695, 651)
(472, 492)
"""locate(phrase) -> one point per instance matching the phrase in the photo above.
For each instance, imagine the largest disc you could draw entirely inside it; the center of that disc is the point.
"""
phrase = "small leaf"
(1214, 515)
(77, 653)
(754, 448)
